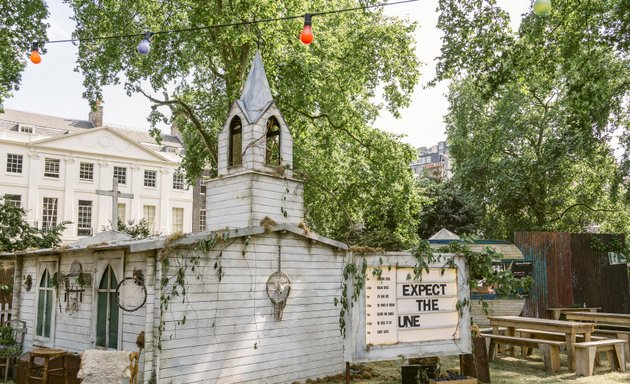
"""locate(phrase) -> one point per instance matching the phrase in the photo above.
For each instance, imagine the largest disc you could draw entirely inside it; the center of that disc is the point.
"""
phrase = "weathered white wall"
(76, 332)
(244, 200)
(230, 335)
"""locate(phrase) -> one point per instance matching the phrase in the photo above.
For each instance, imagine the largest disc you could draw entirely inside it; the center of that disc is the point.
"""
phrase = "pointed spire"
(256, 95)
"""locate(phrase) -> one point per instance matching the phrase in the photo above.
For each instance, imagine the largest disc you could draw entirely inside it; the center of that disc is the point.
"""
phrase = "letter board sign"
(397, 315)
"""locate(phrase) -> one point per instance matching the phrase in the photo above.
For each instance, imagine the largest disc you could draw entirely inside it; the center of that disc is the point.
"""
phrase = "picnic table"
(557, 311)
(615, 325)
(570, 328)
(621, 319)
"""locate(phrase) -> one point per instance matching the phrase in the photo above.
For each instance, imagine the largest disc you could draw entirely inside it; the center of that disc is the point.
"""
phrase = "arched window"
(44, 305)
(235, 156)
(272, 155)
(107, 311)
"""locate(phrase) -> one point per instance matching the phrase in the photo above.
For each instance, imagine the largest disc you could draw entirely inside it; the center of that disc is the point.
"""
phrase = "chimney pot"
(96, 116)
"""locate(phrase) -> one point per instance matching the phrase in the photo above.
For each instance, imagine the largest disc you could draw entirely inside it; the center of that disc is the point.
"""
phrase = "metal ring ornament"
(137, 282)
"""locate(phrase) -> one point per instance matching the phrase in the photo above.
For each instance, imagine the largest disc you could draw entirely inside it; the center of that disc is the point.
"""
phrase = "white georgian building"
(53, 166)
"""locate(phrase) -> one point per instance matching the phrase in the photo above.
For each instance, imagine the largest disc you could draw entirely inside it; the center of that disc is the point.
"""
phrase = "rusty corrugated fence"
(568, 270)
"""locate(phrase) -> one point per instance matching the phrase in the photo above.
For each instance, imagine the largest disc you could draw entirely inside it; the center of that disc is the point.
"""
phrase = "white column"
(103, 179)
(70, 176)
(33, 203)
(137, 182)
(166, 184)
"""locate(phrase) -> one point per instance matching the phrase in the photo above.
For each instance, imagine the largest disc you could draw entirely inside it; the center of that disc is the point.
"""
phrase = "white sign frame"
(356, 349)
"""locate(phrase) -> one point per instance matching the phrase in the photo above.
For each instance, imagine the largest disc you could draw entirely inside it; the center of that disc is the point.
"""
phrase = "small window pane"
(51, 168)
(14, 199)
(84, 219)
(122, 212)
(202, 220)
(49, 213)
(149, 216)
(178, 220)
(178, 181)
(86, 172)
(120, 174)
(14, 163)
(150, 178)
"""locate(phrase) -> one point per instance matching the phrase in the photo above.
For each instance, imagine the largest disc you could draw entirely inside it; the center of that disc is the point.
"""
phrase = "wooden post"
(347, 372)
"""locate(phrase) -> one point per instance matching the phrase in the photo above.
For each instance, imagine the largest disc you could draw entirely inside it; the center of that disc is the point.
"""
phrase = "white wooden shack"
(208, 315)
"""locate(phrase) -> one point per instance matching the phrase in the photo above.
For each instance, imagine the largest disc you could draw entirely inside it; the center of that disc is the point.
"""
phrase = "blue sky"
(53, 87)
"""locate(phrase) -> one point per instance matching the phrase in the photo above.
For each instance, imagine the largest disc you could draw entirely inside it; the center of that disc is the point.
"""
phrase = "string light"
(144, 47)
(542, 7)
(306, 36)
(35, 57)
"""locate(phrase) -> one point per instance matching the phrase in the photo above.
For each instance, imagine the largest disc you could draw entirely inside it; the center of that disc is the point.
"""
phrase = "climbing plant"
(177, 268)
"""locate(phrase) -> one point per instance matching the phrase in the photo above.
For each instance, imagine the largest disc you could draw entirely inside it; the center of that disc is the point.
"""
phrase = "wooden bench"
(585, 355)
(550, 349)
(616, 334)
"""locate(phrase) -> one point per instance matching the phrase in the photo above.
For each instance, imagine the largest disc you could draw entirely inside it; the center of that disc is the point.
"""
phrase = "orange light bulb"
(306, 36)
(36, 58)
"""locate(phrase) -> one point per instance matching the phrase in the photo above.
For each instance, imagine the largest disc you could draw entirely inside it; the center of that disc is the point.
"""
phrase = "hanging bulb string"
(224, 25)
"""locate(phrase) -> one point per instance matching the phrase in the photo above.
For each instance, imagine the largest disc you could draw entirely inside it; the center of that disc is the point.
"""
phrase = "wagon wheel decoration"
(278, 289)
(131, 293)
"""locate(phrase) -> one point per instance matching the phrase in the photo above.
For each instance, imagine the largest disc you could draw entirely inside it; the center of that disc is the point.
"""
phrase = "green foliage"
(21, 22)
(358, 186)
(532, 113)
(17, 235)
(8, 345)
(448, 207)
(139, 230)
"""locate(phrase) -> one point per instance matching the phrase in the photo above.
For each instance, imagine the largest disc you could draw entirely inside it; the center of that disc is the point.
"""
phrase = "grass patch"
(504, 370)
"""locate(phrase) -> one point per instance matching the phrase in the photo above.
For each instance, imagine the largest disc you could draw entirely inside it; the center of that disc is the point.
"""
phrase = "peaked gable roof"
(49, 142)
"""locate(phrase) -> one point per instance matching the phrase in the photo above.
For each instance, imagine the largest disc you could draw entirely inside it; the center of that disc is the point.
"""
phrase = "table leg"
(570, 339)
(65, 368)
(45, 373)
(511, 331)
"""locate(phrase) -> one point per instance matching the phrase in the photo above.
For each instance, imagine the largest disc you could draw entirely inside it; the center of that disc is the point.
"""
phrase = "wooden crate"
(469, 380)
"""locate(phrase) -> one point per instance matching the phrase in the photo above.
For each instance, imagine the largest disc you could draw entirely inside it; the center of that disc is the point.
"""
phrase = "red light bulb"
(36, 58)
(306, 36)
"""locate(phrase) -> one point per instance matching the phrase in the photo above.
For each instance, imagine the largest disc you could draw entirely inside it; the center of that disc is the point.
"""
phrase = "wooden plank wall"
(244, 200)
(230, 335)
(74, 332)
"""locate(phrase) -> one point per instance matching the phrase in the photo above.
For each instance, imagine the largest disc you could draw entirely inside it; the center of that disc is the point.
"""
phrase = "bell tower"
(255, 162)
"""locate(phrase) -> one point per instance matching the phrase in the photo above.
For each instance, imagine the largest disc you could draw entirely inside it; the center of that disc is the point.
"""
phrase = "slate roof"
(10, 118)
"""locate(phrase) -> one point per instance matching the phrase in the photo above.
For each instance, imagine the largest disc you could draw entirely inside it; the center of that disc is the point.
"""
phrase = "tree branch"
(188, 111)
(580, 205)
(330, 122)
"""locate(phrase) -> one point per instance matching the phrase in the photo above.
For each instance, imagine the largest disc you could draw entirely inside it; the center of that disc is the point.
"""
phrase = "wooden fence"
(5, 313)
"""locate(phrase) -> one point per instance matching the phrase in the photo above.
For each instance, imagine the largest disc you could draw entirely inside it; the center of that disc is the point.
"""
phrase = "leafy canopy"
(532, 112)
(21, 22)
(358, 186)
